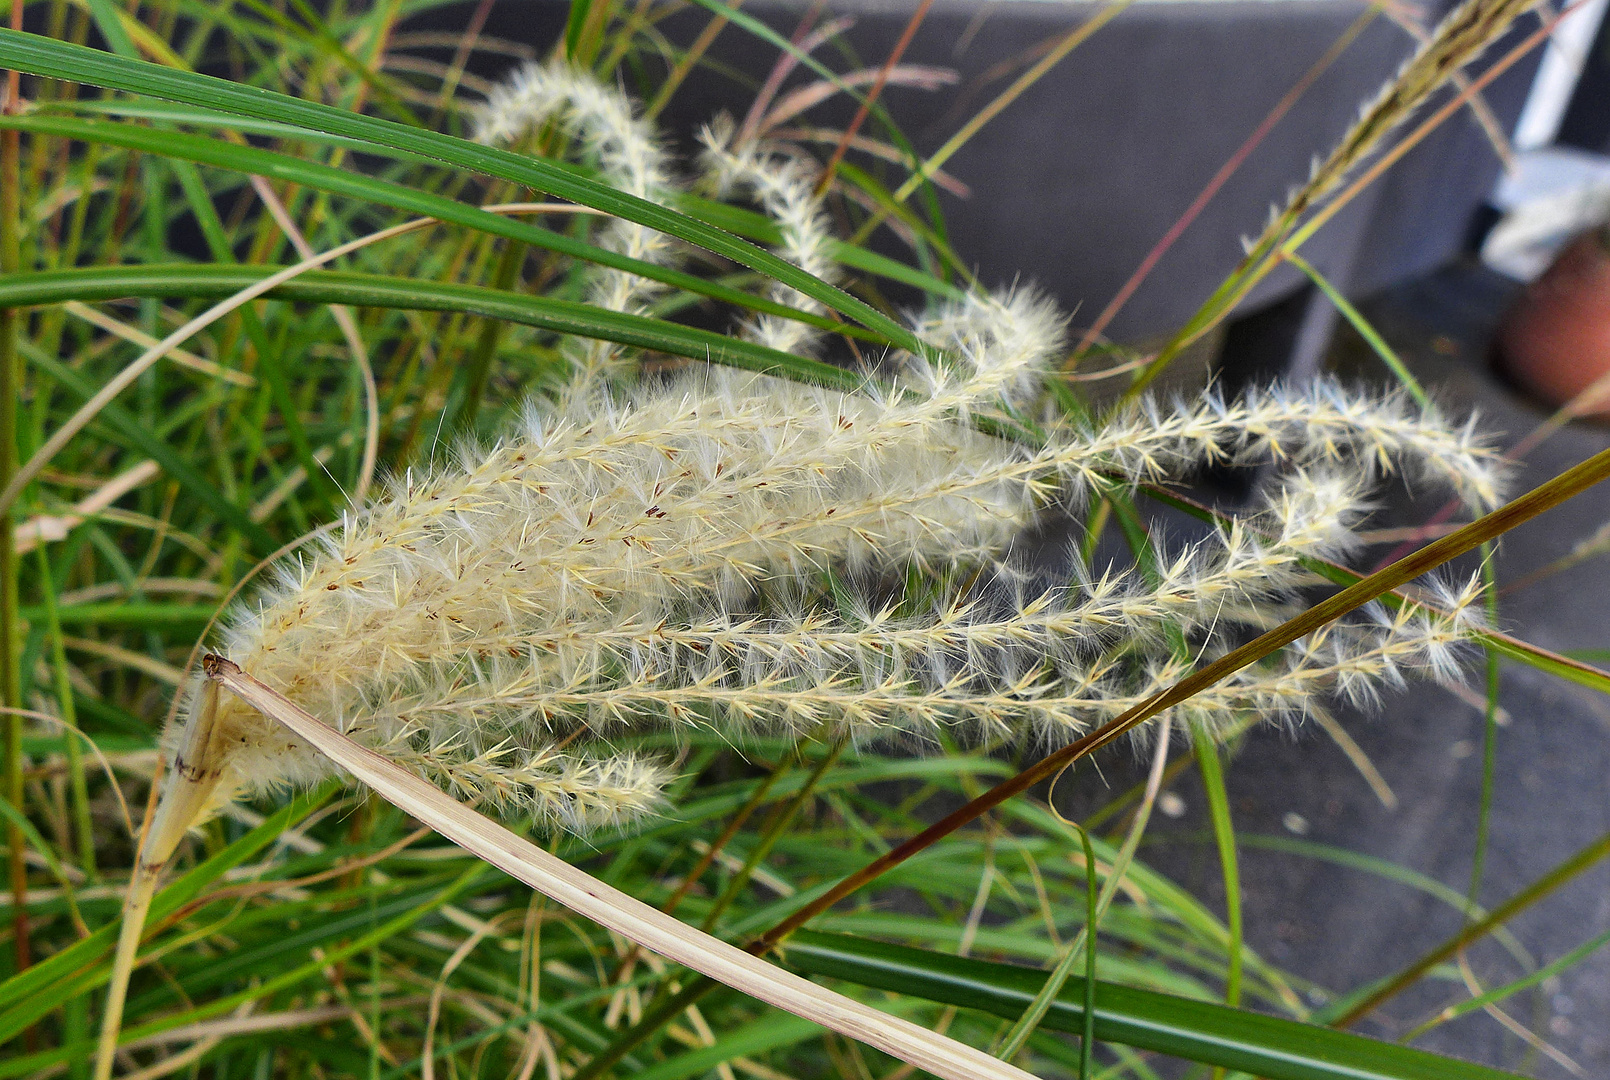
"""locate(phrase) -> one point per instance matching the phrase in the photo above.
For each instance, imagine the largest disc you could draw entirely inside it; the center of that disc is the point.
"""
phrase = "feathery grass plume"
(643, 559)
(785, 186)
(639, 557)
(628, 156)
(1459, 39)
(1048, 663)
(599, 574)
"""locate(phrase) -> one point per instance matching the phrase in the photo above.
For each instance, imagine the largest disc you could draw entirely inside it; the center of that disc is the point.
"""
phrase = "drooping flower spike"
(638, 558)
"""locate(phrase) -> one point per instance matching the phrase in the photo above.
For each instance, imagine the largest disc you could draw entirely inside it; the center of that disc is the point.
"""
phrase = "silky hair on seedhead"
(637, 557)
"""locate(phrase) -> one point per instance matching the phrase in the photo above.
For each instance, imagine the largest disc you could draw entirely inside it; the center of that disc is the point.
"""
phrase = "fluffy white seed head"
(642, 563)
(633, 559)
(1005, 344)
(626, 150)
(784, 185)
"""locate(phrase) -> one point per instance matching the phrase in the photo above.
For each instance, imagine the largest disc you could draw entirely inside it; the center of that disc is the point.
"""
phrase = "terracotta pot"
(1555, 340)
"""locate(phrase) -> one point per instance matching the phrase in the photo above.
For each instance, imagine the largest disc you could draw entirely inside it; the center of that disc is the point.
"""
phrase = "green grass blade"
(41, 56)
(175, 113)
(374, 290)
(29, 995)
(139, 436)
(1218, 796)
(1201, 1031)
(292, 170)
(1371, 336)
(768, 1033)
(734, 219)
(1499, 993)
(268, 987)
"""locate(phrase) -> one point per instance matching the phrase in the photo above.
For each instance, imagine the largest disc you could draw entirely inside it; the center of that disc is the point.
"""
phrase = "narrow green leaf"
(1499, 993)
(1218, 796)
(26, 828)
(1371, 336)
(60, 60)
(1265, 1046)
(261, 991)
(374, 290)
(739, 220)
(292, 170)
(108, 22)
(30, 994)
(176, 113)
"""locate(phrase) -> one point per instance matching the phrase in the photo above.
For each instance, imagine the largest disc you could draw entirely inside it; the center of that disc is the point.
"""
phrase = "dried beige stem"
(611, 908)
(47, 528)
(145, 341)
(189, 785)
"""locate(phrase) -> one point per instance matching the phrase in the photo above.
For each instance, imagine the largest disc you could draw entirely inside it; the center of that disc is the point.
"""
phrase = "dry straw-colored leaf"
(613, 909)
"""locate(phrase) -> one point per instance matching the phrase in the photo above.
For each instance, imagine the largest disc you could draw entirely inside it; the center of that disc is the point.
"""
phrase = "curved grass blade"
(294, 170)
(76, 63)
(375, 290)
(1213, 1034)
(738, 220)
(265, 989)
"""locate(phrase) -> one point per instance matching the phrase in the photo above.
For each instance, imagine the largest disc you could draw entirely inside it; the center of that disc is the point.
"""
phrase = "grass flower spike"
(655, 559)
(784, 186)
(711, 548)
(602, 123)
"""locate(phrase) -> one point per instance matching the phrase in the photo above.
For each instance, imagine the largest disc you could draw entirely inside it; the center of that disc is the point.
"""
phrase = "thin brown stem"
(1568, 484)
(899, 50)
(773, 833)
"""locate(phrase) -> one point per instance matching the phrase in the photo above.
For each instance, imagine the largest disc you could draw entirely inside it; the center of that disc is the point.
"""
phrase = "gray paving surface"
(1342, 927)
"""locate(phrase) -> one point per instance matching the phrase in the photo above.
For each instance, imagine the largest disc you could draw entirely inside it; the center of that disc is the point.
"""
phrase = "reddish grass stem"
(1227, 170)
(1568, 484)
(899, 50)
